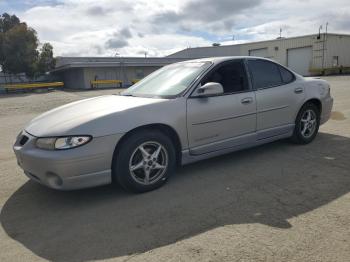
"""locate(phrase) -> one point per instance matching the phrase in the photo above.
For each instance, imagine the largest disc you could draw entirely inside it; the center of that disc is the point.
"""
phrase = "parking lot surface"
(277, 202)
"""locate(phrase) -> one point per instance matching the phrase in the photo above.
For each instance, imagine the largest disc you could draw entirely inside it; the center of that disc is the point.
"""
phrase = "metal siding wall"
(107, 73)
(337, 45)
(277, 49)
(89, 75)
(130, 73)
(126, 74)
(74, 78)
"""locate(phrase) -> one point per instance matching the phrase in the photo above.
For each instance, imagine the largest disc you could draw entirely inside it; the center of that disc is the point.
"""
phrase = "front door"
(228, 120)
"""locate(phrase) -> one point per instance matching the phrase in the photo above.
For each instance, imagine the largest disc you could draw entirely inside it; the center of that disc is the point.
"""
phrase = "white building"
(303, 54)
(81, 72)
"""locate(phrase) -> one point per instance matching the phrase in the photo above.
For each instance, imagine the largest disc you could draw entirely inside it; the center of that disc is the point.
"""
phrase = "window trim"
(242, 61)
(251, 76)
(193, 86)
(293, 75)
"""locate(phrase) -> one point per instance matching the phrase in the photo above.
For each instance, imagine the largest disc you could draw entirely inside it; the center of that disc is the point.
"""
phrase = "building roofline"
(125, 62)
(114, 64)
(114, 57)
(257, 42)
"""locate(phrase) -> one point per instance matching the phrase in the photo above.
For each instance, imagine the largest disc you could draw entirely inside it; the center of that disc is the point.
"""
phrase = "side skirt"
(188, 158)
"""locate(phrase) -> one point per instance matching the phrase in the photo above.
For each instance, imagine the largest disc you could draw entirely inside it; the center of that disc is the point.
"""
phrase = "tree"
(19, 48)
(46, 61)
(6, 23)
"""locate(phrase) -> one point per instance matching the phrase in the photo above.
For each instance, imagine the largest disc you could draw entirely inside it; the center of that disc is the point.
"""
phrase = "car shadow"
(268, 185)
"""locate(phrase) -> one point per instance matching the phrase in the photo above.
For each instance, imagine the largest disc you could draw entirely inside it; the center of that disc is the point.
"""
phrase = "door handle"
(298, 90)
(247, 100)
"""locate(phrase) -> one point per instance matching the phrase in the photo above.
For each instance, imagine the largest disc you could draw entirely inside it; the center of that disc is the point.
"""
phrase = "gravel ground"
(278, 202)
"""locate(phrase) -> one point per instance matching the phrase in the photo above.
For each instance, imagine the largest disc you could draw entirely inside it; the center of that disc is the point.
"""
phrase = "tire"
(137, 167)
(309, 115)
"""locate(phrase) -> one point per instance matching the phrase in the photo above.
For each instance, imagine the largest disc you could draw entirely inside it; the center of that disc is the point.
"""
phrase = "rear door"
(219, 122)
(278, 95)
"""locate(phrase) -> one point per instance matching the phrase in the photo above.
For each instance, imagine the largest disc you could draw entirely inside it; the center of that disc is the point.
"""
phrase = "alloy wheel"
(308, 123)
(148, 163)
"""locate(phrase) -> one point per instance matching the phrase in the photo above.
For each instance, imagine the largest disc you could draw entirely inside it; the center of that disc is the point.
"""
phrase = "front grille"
(24, 139)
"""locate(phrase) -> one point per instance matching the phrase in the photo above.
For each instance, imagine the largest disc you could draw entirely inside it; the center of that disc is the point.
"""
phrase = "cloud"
(125, 32)
(119, 38)
(210, 11)
(116, 43)
(218, 14)
(96, 11)
(160, 27)
(339, 20)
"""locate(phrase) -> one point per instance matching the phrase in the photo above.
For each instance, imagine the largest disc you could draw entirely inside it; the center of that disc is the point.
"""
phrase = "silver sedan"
(179, 114)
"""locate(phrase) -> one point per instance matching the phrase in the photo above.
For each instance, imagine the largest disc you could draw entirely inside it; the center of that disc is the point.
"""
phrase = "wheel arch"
(166, 129)
(315, 101)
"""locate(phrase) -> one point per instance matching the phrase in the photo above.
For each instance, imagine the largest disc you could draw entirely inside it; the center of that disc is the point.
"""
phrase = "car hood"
(96, 116)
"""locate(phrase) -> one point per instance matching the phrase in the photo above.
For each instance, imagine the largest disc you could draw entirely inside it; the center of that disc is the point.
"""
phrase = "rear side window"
(287, 76)
(264, 73)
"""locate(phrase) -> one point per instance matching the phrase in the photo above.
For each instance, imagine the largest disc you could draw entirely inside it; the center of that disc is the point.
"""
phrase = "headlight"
(46, 143)
(71, 141)
(60, 143)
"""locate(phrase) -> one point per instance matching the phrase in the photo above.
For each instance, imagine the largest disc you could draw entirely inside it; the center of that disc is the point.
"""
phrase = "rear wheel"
(145, 161)
(306, 124)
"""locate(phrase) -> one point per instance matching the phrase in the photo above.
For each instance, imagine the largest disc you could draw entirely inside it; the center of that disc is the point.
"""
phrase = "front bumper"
(327, 106)
(81, 167)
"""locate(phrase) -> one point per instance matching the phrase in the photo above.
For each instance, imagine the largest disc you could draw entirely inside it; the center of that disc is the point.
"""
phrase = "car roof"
(221, 59)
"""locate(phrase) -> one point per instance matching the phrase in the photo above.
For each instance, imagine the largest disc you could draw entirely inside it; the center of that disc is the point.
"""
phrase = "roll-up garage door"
(262, 52)
(299, 60)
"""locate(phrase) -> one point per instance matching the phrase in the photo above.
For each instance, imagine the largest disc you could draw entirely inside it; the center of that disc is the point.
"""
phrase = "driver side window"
(230, 75)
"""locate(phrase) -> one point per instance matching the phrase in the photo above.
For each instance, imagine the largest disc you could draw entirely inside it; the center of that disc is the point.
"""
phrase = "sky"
(161, 27)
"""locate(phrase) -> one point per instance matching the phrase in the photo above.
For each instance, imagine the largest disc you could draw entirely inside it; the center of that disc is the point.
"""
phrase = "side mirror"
(209, 89)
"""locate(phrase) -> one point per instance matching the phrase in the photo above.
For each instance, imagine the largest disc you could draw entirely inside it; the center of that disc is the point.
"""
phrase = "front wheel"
(145, 161)
(306, 124)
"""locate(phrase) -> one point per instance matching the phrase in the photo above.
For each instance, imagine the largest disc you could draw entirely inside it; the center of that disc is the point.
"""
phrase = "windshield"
(170, 80)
